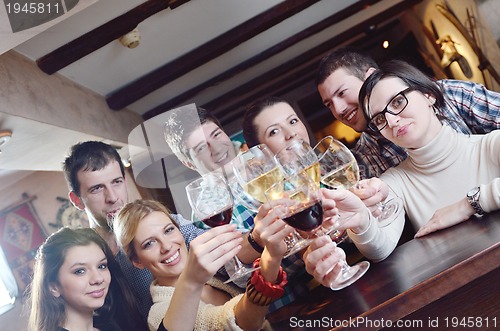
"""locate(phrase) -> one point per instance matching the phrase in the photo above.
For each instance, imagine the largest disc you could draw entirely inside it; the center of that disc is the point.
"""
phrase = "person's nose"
(392, 120)
(215, 148)
(111, 195)
(96, 277)
(338, 107)
(289, 133)
(165, 246)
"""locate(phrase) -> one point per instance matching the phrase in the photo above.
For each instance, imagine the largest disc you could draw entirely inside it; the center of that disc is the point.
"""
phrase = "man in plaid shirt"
(470, 108)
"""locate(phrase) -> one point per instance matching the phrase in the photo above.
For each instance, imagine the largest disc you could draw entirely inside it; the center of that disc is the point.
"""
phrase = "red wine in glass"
(306, 219)
(221, 218)
(338, 236)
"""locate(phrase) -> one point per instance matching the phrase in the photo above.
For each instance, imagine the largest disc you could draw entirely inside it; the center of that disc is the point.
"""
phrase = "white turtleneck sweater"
(442, 172)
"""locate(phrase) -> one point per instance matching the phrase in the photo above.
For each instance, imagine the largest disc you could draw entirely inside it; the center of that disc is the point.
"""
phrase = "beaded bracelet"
(262, 292)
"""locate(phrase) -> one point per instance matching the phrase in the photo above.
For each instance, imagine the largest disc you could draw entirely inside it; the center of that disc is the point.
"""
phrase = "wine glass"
(211, 201)
(298, 156)
(339, 169)
(256, 169)
(297, 201)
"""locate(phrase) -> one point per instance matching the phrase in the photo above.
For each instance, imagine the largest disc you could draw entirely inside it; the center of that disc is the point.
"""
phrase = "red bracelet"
(273, 291)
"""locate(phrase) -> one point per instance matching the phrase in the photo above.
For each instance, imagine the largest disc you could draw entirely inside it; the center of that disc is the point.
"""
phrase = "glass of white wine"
(256, 170)
(339, 169)
(212, 203)
(298, 156)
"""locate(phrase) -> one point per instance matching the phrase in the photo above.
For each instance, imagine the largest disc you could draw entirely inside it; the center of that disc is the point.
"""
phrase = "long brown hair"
(47, 312)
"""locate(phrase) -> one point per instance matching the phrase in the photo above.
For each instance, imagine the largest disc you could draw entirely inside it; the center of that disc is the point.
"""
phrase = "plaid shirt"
(469, 108)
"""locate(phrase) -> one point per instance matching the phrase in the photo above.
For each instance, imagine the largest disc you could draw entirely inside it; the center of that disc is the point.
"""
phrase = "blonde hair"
(126, 222)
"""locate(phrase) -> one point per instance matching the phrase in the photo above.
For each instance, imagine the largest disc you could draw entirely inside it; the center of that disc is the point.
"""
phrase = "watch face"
(473, 192)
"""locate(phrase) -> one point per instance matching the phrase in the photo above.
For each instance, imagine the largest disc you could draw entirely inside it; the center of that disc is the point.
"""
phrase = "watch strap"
(253, 243)
(474, 202)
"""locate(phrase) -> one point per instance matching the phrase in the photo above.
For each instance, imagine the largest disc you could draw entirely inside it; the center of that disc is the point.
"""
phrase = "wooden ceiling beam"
(258, 86)
(165, 74)
(102, 35)
(283, 45)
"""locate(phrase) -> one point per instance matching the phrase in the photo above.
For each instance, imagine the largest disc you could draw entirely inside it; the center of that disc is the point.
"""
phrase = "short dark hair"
(355, 62)
(180, 123)
(248, 126)
(410, 75)
(88, 156)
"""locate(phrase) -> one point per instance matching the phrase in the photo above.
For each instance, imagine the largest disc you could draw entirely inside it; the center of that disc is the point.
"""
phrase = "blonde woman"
(185, 294)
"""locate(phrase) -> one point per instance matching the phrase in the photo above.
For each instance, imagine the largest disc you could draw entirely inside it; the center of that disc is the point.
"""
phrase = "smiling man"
(469, 107)
(196, 137)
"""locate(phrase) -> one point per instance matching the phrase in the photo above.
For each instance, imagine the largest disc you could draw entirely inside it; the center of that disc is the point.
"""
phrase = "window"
(8, 285)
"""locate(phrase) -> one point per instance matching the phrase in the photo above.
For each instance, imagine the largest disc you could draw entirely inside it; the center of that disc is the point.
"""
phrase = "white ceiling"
(170, 34)
(167, 36)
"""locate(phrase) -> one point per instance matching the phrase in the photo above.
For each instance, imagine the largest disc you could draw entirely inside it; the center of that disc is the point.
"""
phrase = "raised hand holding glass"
(339, 169)
(211, 201)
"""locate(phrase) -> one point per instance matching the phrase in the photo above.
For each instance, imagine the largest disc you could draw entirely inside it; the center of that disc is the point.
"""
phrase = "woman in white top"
(273, 121)
(448, 176)
(185, 296)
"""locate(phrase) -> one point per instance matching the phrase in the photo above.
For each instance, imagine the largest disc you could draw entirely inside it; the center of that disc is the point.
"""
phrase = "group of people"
(142, 267)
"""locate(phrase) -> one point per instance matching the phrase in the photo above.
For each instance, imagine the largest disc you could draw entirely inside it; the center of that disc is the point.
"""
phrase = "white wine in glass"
(298, 156)
(339, 169)
(256, 170)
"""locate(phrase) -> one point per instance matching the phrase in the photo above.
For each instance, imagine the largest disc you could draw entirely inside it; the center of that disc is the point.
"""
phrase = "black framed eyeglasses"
(397, 104)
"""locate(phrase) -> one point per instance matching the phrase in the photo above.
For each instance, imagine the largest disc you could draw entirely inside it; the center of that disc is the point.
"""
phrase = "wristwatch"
(473, 198)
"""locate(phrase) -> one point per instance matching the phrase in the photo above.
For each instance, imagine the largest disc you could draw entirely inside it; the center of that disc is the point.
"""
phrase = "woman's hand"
(350, 207)
(446, 217)
(271, 231)
(321, 259)
(210, 251)
(372, 191)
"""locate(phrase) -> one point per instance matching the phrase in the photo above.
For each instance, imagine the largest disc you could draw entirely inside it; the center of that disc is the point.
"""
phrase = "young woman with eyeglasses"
(448, 176)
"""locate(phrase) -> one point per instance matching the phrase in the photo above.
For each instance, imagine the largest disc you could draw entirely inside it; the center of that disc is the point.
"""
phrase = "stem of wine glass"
(389, 210)
(298, 242)
(239, 270)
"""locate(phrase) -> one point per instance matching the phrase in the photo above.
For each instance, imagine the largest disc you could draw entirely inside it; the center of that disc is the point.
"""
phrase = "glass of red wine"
(297, 200)
(212, 203)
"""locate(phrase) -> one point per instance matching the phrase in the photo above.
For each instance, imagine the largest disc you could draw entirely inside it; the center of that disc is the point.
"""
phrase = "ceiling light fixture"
(131, 39)
(5, 136)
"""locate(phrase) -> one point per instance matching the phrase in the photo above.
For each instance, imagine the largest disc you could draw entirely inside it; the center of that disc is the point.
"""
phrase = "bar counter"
(445, 280)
